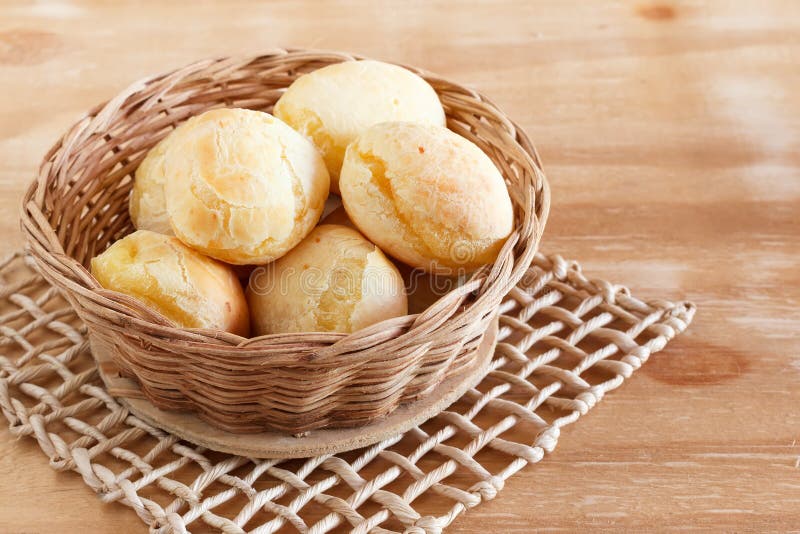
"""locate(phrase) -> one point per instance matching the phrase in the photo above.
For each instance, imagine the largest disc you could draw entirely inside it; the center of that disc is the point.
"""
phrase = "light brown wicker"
(567, 341)
(294, 382)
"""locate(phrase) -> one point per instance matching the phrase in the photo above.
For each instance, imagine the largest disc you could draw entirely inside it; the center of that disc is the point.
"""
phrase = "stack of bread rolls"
(234, 196)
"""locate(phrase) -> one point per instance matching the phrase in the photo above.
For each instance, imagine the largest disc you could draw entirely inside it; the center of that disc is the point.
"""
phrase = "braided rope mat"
(565, 341)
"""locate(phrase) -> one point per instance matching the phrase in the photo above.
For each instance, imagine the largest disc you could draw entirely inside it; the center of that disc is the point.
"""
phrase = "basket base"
(273, 444)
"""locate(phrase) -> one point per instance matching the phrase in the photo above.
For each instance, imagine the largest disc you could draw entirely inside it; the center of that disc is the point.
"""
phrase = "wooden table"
(671, 138)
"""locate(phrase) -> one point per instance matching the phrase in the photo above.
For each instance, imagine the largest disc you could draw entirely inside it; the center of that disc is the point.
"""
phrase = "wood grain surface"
(671, 137)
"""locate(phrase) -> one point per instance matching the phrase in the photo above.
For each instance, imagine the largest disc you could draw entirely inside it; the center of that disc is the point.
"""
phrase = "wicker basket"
(293, 382)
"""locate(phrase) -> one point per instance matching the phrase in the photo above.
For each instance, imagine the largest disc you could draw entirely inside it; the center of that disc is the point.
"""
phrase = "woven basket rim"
(71, 275)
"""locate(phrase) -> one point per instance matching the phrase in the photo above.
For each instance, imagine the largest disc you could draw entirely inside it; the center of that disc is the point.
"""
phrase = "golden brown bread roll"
(148, 207)
(333, 281)
(238, 185)
(334, 104)
(423, 289)
(426, 196)
(190, 289)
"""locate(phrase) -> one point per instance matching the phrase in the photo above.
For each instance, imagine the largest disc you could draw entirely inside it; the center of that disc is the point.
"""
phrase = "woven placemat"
(565, 341)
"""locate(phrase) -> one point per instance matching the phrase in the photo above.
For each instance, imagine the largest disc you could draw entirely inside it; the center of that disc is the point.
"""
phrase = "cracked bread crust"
(147, 204)
(333, 281)
(183, 285)
(334, 104)
(238, 185)
(427, 196)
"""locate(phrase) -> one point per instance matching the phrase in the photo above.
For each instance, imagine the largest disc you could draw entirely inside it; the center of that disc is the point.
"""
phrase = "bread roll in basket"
(77, 207)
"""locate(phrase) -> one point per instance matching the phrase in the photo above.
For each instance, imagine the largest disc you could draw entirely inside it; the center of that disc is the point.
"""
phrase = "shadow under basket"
(294, 383)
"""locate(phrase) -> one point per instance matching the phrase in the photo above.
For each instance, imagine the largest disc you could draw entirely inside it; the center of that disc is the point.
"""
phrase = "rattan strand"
(295, 382)
(565, 342)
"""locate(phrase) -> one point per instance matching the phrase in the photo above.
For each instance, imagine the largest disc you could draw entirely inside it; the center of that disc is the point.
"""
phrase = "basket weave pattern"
(292, 382)
(565, 342)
